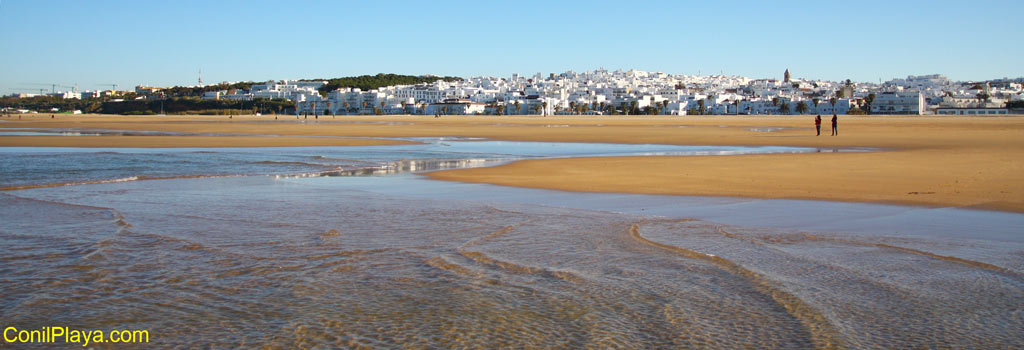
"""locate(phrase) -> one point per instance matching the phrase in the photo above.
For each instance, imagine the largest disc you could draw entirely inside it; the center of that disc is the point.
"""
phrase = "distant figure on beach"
(51, 116)
(835, 119)
(817, 124)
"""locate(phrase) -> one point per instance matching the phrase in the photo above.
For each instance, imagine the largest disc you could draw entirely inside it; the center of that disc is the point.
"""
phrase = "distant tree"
(816, 101)
(983, 96)
(801, 107)
(832, 101)
(784, 108)
(572, 106)
(519, 109)
(370, 82)
(701, 109)
(870, 99)
(544, 105)
(501, 109)
(775, 101)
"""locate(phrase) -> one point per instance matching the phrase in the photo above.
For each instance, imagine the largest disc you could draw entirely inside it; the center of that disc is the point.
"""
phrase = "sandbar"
(973, 162)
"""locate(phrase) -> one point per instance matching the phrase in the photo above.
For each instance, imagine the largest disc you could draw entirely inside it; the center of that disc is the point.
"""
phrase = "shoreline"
(966, 162)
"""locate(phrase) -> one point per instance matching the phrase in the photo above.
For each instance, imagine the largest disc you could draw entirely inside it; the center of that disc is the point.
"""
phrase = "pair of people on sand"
(817, 124)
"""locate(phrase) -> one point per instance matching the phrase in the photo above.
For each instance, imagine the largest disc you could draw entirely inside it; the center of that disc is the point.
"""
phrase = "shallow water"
(39, 166)
(400, 261)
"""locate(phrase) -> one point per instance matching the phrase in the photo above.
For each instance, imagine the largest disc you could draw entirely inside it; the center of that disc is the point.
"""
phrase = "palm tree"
(801, 107)
(519, 109)
(572, 106)
(700, 107)
(544, 105)
(632, 107)
(382, 104)
(500, 109)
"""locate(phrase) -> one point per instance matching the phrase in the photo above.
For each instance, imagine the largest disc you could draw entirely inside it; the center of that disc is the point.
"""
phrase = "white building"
(842, 106)
(898, 102)
(455, 107)
(971, 111)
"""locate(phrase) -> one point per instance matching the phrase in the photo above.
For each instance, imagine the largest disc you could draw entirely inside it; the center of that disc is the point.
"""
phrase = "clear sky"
(167, 42)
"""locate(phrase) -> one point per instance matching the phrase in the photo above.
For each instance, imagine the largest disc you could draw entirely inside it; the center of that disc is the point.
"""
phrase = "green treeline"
(173, 105)
(194, 105)
(45, 103)
(370, 82)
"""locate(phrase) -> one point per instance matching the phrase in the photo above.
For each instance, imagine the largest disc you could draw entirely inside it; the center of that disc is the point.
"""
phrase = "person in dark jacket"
(835, 130)
(817, 124)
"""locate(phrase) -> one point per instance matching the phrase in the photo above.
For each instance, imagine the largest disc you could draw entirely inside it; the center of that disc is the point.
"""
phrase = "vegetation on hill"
(370, 82)
(182, 91)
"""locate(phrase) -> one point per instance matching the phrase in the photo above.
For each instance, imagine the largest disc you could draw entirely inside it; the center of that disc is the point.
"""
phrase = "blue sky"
(167, 42)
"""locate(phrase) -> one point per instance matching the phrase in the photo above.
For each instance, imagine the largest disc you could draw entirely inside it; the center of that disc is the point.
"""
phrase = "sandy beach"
(929, 161)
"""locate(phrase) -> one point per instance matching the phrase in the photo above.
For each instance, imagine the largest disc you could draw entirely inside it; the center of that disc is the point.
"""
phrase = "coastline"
(927, 161)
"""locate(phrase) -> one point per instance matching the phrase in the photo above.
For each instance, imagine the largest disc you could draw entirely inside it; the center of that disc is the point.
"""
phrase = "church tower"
(785, 76)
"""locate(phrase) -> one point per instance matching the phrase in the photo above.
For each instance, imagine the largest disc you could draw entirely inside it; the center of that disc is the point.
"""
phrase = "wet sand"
(930, 161)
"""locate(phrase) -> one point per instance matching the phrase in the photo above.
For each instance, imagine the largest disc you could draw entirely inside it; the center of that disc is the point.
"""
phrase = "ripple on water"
(252, 262)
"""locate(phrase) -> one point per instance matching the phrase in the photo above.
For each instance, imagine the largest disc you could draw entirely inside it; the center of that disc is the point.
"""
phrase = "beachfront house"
(898, 102)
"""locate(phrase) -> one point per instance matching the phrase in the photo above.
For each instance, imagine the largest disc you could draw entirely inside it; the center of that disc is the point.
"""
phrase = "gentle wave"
(123, 179)
(276, 162)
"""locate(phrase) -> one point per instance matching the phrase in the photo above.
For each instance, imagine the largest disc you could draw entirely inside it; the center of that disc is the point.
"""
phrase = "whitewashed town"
(602, 92)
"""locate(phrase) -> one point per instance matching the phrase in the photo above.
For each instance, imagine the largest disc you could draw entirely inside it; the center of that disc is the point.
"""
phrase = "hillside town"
(602, 92)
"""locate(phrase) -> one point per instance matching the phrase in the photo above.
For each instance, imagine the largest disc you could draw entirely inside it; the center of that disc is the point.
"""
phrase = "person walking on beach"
(817, 124)
(835, 130)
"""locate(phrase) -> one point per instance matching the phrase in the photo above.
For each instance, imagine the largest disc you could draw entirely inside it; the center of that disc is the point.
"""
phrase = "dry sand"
(932, 161)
